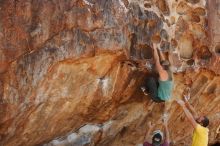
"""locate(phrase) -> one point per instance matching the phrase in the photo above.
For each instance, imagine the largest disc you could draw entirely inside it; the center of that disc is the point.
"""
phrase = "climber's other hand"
(180, 102)
(186, 98)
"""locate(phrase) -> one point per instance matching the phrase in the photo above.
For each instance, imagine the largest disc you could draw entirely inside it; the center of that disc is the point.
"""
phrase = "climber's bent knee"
(157, 99)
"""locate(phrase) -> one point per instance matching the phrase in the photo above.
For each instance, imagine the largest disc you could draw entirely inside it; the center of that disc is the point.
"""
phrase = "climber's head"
(157, 138)
(165, 64)
(203, 120)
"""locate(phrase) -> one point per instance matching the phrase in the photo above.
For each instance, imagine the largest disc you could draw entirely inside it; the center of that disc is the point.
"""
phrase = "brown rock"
(151, 23)
(198, 31)
(193, 1)
(185, 46)
(217, 49)
(165, 46)
(164, 35)
(156, 38)
(69, 69)
(195, 18)
(172, 20)
(199, 11)
(190, 62)
(4, 66)
(163, 7)
(167, 22)
(126, 2)
(174, 43)
(147, 5)
(146, 51)
(182, 8)
(204, 53)
(181, 27)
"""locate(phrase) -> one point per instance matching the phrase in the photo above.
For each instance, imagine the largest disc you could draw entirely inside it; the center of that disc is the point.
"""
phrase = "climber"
(159, 88)
(157, 137)
(199, 123)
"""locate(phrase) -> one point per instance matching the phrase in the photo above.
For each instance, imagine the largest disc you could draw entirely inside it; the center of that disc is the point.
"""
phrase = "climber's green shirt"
(165, 89)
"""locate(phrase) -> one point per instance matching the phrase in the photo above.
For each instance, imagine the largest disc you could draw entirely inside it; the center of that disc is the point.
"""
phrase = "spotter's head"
(203, 120)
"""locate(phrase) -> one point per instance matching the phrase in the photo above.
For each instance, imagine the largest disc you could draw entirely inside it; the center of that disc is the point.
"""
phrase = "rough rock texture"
(71, 71)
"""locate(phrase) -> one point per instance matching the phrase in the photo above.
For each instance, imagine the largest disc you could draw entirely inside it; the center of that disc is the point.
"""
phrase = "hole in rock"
(133, 38)
(146, 51)
(217, 49)
(211, 89)
(205, 54)
(190, 62)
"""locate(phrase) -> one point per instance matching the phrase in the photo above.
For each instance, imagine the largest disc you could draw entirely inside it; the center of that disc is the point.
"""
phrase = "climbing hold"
(199, 11)
(172, 20)
(163, 7)
(182, 8)
(147, 5)
(164, 46)
(190, 62)
(146, 51)
(217, 49)
(204, 53)
(151, 23)
(193, 1)
(195, 18)
(186, 46)
(156, 39)
(174, 43)
(181, 27)
(164, 35)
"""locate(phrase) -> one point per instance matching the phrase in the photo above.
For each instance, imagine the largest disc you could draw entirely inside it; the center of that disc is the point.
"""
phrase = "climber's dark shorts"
(151, 84)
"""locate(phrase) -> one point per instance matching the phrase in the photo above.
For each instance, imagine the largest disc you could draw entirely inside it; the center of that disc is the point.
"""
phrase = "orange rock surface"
(71, 71)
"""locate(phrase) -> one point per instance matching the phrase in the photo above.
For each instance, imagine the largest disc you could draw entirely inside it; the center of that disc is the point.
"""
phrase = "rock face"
(70, 71)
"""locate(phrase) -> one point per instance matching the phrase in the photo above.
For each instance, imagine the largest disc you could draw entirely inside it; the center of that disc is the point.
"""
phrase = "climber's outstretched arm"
(162, 57)
(187, 112)
(162, 73)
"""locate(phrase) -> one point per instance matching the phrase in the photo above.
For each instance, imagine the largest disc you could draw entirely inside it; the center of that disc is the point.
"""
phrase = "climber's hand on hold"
(186, 98)
(180, 102)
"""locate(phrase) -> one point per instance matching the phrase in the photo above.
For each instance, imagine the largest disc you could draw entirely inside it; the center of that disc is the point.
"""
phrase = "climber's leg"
(151, 88)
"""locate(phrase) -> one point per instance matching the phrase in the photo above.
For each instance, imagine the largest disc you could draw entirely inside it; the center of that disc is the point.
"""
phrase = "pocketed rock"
(182, 8)
(198, 31)
(164, 35)
(174, 43)
(151, 23)
(146, 51)
(204, 53)
(185, 46)
(181, 27)
(165, 46)
(199, 11)
(163, 7)
(193, 1)
(72, 69)
(147, 5)
(172, 20)
(156, 38)
(194, 18)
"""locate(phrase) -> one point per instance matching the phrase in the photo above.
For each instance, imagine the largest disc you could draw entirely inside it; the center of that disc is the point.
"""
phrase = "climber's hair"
(165, 64)
(166, 67)
(205, 122)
